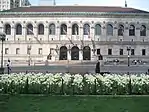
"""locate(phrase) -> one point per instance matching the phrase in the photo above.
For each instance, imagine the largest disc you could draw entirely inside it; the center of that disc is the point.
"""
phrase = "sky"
(138, 4)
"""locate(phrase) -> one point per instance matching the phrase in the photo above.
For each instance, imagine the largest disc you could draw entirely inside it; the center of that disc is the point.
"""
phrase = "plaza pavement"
(81, 68)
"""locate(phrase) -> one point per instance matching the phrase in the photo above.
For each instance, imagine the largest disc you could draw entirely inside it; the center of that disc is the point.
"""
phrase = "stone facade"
(25, 48)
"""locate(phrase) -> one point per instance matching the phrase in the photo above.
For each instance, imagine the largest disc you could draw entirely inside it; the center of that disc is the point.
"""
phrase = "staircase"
(72, 62)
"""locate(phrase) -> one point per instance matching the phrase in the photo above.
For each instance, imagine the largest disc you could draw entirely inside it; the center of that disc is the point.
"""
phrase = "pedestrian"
(8, 66)
(97, 69)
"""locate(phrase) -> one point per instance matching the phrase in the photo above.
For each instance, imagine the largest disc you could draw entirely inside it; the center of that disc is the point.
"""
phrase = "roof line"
(74, 13)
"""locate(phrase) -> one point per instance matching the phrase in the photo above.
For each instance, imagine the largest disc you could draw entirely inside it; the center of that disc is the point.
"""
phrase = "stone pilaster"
(137, 32)
(126, 32)
(58, 32)
(35, 30)
(92, 33)
(69, 33)
(104, 32)
(69, 55)
(13, 32)
(81, 33)
(46, 32)
(115, 32)
(24, 32)
(81, 53)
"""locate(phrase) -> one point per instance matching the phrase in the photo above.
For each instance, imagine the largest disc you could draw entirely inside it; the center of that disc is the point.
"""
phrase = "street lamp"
(29, 55)
(128, 50)
(2, 38)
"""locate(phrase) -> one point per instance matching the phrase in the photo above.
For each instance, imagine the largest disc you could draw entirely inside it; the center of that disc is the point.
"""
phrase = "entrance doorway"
(63, 53)
(86, 53)
(74, 53)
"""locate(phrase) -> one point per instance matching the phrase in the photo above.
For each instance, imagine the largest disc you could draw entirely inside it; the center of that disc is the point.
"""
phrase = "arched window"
(8, 29)
(75, 29)
(86, 29)
(30, 29)
(131, 30)
(109, 30)
(120, 30)
(41, 29)
(143, 30)
(98, 29)
(52, 29)
(63, 29)
(18, 29)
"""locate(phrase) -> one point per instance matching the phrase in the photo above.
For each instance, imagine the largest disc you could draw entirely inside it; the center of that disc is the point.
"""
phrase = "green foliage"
(76, 84)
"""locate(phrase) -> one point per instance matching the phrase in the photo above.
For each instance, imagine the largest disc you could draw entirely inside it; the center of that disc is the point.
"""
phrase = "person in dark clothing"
(8, 66)
(97, 69)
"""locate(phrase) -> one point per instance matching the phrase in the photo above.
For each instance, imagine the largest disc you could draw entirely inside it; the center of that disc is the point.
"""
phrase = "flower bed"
(68, 84)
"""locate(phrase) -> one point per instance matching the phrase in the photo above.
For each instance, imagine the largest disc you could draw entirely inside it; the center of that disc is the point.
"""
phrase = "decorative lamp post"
(2, 38)
(29, 55)
(128, 50)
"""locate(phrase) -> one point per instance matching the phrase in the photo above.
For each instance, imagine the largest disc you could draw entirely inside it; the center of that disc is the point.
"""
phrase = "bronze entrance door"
(74, 53)
(86, 53)
(63, 53)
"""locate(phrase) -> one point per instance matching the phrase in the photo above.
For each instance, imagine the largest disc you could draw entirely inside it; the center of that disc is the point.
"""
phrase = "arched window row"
(75, 29)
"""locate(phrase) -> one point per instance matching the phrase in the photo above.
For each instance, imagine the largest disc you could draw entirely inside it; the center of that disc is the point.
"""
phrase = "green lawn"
(73, 104)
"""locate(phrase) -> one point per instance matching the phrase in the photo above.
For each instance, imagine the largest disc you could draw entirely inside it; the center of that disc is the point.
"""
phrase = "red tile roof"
(76, 9)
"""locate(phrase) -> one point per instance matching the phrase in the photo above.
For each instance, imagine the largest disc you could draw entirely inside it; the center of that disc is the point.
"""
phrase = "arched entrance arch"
(74, 53)
(63, 53)
(86, 53)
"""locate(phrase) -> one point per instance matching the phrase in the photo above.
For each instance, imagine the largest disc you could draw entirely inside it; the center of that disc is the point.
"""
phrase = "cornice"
(78, 14)
(97, 43)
